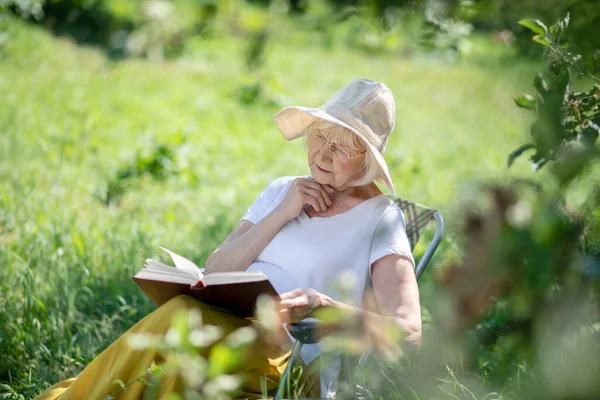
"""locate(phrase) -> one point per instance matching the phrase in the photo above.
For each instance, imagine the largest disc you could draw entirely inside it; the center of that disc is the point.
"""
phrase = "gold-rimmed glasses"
(318, 140)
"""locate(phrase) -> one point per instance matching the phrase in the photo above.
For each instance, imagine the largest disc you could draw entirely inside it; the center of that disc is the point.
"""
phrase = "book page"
(185, 265)
(224, 278)
(184, 278)
(151, 265)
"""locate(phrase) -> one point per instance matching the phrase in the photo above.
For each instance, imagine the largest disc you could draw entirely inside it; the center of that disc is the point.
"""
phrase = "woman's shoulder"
(269, 198)
(281, 184)
(278, 187)
(390, 214)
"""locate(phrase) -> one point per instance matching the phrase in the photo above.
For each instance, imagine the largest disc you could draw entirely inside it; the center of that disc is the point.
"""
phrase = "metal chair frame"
(304, 332)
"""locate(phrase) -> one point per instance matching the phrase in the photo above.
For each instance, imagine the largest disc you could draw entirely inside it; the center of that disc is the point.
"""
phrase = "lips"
(321, 169)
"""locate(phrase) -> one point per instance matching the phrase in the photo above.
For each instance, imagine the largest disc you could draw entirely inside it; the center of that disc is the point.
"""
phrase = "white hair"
(370, 169)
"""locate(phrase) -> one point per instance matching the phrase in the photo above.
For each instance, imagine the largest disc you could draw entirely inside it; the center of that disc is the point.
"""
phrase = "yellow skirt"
(120, 361)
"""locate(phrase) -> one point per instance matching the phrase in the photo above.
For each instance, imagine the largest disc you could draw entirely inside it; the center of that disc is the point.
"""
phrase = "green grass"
(70, 118)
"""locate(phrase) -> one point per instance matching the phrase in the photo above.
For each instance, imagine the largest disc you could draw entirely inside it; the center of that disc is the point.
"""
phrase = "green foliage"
(252, 91)
(156, 162)
(517, 318)
(409, 28)
(148, 373)
(89, 22)
(208, 362)
(445, 34)
(567, 122)
(537, 256)
(158, 33)
(535, 25)
(184, 348)
(502, 15)
(23, 8)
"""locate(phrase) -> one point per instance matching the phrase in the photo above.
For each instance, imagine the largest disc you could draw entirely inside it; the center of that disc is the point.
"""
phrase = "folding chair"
(417, 218)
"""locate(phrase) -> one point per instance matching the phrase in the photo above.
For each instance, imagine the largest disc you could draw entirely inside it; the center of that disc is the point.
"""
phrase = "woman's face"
(330, 165)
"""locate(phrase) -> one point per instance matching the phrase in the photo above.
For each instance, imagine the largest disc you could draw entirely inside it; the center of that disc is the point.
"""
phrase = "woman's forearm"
(239, 253)
(410, 325)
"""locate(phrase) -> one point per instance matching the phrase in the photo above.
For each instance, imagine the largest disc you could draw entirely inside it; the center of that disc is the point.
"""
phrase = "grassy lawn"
(70, 119)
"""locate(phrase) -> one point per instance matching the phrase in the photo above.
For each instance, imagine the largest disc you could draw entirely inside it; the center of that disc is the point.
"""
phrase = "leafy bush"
(503, 14)
(567, 123)
(533, 260)
(156, 162)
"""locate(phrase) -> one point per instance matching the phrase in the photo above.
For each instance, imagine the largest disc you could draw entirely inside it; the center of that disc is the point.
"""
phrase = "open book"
(235, 291)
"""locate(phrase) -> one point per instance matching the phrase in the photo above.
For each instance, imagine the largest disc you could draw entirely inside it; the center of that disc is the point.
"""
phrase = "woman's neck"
(362, 193)
(344, 200)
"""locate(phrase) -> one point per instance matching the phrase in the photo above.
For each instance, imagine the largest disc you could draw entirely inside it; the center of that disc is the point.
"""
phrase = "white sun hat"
(363, 106)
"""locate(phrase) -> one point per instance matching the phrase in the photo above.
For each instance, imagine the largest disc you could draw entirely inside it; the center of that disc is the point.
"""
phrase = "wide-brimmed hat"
(365, 107)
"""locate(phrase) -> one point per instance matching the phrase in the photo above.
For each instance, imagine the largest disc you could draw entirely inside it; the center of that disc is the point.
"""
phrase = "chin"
(320, 177)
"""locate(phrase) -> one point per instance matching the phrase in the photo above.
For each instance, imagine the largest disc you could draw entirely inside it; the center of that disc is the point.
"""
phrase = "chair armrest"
(312, 331)
(305, 331)
(439, 233)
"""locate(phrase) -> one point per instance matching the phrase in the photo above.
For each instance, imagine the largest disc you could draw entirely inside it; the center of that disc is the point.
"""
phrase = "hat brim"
(292, 121)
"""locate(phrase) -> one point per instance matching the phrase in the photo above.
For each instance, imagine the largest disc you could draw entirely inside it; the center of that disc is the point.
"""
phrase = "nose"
(325, 153)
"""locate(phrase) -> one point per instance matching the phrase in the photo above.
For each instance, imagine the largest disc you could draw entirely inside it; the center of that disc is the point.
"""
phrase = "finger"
(322, 190)
(294, 303)
(305, 181)
(324, 193)
(284, 316)
(291, 315)
(328, 188)
(296, 315)
(291, 294)
(307, 199)
(317, 195)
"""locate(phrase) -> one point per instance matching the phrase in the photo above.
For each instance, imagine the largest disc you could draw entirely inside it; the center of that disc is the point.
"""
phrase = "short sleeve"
(390, 237)
(269, 198)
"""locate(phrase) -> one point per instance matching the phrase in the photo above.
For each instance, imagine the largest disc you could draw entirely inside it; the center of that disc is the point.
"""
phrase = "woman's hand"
(300, 303)
(303, 192)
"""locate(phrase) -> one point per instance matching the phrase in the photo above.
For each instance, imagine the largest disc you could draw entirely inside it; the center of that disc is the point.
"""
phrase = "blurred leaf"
(541, 40)
(120, 383)
(526, 101)
(241, 337)
(205, 336)
(516, 153)
(222, 360)
(540, 84)
(40, 303)
(79, 246)
(535, 25)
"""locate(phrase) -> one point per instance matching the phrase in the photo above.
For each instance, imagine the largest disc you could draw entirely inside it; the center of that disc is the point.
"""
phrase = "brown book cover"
(234, 291)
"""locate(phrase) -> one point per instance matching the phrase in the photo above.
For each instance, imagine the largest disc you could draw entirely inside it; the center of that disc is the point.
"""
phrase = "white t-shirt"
(316, 252)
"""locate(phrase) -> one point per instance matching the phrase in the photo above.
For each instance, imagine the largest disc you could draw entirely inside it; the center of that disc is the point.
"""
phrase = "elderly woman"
(302, 232)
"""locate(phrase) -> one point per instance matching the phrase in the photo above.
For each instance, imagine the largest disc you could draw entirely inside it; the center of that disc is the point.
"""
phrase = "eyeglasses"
(337, 152)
